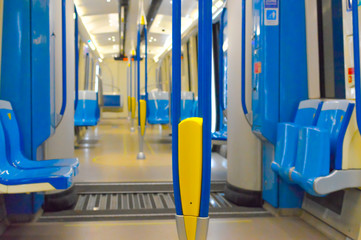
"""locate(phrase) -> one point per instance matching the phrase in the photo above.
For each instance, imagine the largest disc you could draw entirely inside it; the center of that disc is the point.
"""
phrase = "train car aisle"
(230, 229)
(113, 157)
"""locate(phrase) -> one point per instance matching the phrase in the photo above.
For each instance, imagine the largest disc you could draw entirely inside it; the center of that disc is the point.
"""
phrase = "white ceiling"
(100, 18)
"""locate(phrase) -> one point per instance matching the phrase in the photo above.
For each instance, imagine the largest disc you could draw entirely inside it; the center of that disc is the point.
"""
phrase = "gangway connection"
(140, 201)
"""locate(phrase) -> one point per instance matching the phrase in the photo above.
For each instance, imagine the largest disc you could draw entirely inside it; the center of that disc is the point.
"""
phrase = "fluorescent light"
(219, 4)
(91, 45)
(100, 60)
(214, 9)
(109, 0)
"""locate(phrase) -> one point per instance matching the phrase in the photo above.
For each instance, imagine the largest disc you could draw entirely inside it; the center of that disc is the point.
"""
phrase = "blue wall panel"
(40, 74)
(25, 82)
(16, 65)
(293, 58)
(279, 83)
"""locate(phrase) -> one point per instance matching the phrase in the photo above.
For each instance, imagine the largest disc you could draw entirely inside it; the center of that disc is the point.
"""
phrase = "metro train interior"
(189, 120)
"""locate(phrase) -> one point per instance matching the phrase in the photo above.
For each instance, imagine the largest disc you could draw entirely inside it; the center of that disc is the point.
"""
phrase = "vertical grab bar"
(63, 10)
(138, 71)
(176, 98)
(76, 59)
(205, 76)
(146, 62)
(356, 45)
(247, 114)
(221, 61)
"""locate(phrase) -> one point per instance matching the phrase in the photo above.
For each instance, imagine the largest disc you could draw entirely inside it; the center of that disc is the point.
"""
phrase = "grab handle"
(247, 114)
(64, 70)
(76, 59)
(356, 45)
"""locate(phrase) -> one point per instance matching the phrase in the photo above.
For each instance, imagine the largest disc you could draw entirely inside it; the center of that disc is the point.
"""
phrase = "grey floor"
(219, 229)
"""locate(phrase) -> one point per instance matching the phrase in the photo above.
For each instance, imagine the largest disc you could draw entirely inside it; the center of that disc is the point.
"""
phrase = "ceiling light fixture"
(91, 45)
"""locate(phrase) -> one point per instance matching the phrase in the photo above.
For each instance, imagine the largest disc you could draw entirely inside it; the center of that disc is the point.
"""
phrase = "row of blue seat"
(87, 112)
(158, 106)
(158, 110)
(19, 174)
(312, 146)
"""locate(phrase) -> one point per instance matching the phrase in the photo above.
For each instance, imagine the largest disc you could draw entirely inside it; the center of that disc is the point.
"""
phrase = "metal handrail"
(356, 44)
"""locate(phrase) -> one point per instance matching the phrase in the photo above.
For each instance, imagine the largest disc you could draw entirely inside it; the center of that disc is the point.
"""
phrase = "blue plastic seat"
(14, 152)
(87, 112)
(187, 105)
(220, 135)
(112, 100)
(158, 107)
(195, 107)
(319, 149)
(15, 180)
(287, 137)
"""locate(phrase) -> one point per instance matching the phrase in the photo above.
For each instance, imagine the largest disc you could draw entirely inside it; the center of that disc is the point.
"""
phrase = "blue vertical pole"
(135, 76)
(76, 58)
(205, 78)
(131, 77)
(356, 46)
(176, 97)
(146, 62)
(221, 62)
(243, 74)
(138, 72)
(63, 22)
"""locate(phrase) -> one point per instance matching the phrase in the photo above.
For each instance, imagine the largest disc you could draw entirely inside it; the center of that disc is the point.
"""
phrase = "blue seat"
(287, 137)
(319, 149)
(158, 107)
(187, 105)
(112, 100)
(14, 153)
(87, 112)
(16, 180)
(195, 107)
(220, 135)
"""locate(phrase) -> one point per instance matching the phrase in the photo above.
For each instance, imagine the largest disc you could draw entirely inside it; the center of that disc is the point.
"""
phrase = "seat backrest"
(4, 164)
(87, 107)
(334, 117)
(308, 112)
(195, 107)
(112, 100)
(187, 106)
(11, 129)
(158, 106)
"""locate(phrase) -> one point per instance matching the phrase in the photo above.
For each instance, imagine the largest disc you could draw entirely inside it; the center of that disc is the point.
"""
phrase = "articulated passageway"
(113, 157)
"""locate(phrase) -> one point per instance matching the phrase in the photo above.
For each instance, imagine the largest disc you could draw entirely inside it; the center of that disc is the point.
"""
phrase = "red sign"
(257, 67)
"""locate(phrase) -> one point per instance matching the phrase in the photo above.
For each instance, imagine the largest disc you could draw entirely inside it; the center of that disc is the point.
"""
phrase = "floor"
(113, 159)
(219, 229)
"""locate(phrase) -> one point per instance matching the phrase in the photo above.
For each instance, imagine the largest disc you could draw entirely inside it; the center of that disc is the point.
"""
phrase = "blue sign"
(271, 3)
(271, 15)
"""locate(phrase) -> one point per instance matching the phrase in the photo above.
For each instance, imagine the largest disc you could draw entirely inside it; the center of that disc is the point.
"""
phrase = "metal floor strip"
(123, 204)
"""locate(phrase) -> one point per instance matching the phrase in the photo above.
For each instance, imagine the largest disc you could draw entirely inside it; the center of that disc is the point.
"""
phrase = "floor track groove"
(135, 201)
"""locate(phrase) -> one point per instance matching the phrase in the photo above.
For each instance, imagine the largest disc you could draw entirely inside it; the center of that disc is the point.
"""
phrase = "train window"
(216, 49)
(331, 52)
(193, 64)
